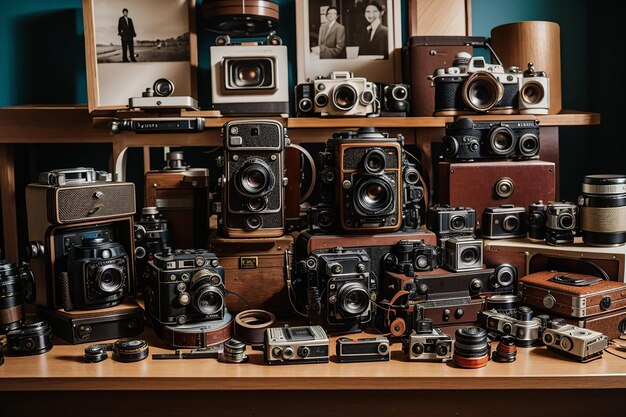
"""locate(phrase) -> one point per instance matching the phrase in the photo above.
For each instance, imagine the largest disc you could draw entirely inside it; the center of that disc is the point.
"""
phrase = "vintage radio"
(181, 194)
(256, 270)
(491, 184)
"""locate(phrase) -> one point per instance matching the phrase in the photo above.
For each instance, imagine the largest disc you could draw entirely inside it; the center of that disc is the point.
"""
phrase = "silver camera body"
(561, 223)
(581, 344)
(250, 78)
(160, 96)
(433, 346)
(463, 253)
(534, 92)
(504, 222)
(293, 345)
(342, 94)
(524, 327)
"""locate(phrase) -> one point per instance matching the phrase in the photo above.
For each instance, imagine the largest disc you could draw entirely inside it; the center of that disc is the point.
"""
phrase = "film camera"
(253, 180)
(463, 253)
(14, 292)
(31, 339)
(577, 343)
(185, 286)
(152, 235)
(408, 257)
(293, 345)
(561, 223)
(160, 97)
(426, 343)
(523, 326)
(342, 94)
(369, 349)
(534, 91)
(537, 220)
(466, 139)
(250, 78)
(340, 287)
(447, 222)
(304, 95)
(395, 99)
(506, 221)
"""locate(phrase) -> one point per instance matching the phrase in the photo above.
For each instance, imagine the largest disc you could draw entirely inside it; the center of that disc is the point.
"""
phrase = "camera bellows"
(471, 348)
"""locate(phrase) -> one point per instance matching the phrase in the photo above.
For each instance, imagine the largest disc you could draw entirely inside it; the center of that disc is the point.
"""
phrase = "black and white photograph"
(356, 36)
(132, 43)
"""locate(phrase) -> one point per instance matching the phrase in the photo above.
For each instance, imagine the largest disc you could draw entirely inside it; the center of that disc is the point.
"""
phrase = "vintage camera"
(584, 345)
(408, 257)
(534, 91)
(463, 253)
(473, 85)
(185, 286)
(466, 139)
(152, 235)
(395, 99)
(537, 220)
(14, 292)
(293, 345)
(426, 343)
(561, 223)
(240, 18)
(99, 272)
(160, 97)
(253, 180)
(30, 339)
(447, 221)
(340, 287)
(342, 94)
(369, 349)
(523, 326)
(504, 222)
(304, 95)
(250, 78)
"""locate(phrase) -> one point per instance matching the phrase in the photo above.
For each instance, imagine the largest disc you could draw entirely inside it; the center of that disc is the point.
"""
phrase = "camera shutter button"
(183, 298)
(446, 314)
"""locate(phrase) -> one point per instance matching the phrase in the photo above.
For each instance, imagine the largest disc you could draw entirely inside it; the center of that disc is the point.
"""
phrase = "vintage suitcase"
(611, 324)
(255, 270)
(491, 184)
(571, 295)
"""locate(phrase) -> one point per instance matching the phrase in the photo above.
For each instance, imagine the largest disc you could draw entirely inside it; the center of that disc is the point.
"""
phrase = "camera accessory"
(506, 351)
(212, 352)
(471, 347)
(534, 91)
(250, 326)
(235, 352)
(466, 139)
(369, 349)
(14, 292)
(446, 221)
(537, 220)
(30, 339)
(304, 95)
(343, 94)
(240, 18)
(580, 344)
(504, 303)
(524, 327)
(603, 210)
(504, 222)
(158, 125)
(293, 345)
(253, 180)
(394, 99)
(130, 350)
(427, 343)
(97, 353)
(561, 223)
(196, 335)
(408, 257)
(463, 253)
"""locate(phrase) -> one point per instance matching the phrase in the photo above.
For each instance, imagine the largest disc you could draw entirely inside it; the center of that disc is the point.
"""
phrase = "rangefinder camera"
(583, 345)
(447, 221)
(410, 256)
(466, 139)
(426, 343)
(463, 253)
(342, 94)
(504, 222)
(294, 345)
(525, 328)
(369, 349)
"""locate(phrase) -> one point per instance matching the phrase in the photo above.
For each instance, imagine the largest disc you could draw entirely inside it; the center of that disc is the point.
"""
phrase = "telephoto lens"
(471, 348)
(603, 210)
(130, 350)
(506, 351)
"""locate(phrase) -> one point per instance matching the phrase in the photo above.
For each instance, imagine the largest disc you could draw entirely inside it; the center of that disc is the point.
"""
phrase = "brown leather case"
(255, 269)
(537, 290)
(473, 184)
(611, 324)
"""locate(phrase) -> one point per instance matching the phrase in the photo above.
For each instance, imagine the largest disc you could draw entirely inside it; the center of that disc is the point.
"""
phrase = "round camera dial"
(605, 303)
(140, 252)
(507, 328)
(184, 298)
(305, 105)
(181, 287)
(106, 254)
(215, 280)
(566, 343)
(277, 351)
(367, 97)
(450, 146)
(504, 187)
(200, 261)
(304, 351)
(549, 301)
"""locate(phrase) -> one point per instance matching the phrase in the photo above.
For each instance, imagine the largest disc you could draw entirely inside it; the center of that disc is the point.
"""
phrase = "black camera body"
(410, 256)
(466, 139)
(395, 99)
(152, 235)
(368, 349)
(31, 339)
(304, 95)
(340, 287)
(185, 286)
(14, 292)
(504, 222)
(536, 220)
(99, 273)
(253, 181)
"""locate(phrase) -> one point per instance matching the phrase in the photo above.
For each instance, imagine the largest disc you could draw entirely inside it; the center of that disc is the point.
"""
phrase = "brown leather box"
(571, 295)
(256, 270)
(491, 184)
(611, 324)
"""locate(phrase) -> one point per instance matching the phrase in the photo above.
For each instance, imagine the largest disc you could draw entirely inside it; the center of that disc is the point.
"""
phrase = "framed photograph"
(129, 44)
(363, 37)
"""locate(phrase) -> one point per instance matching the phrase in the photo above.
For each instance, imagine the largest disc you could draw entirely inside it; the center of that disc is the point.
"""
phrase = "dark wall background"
(43, 62)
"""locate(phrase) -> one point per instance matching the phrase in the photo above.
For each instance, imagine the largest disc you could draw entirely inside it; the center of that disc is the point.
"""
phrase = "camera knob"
(458, 313)
(184, 298)
(476, 285)
(304, 352)
(34, 249)
(549, 301)
(422, 289)
(441, 349)
(220, 161)
(418, 348)
(288, 352)
(446, 314)
(605, 303)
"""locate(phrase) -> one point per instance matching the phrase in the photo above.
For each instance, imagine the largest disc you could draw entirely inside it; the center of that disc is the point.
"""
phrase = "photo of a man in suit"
(126, 31)
(375, 38)
(332, 36)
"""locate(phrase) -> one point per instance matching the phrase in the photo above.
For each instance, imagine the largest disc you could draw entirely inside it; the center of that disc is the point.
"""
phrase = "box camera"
(466, 139)
(340, 287)
(534, 91)
(253, 180)
(504, 222)
(426, 343)
(370, 349)
(160, 97)
(293, 345)
(577, 343)
(447, 221)
(342, 94)
(463, 253)
(250, 78)
(304, 95)
(524, 327)
(185, 286)
(561, 223)
(408, 257)
(395, 99)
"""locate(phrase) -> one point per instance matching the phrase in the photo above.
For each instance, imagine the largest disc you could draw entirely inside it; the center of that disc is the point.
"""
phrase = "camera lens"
(257, 204)
(469, 255)
(505, 276)
(353, 298)
(110, 278)
(305, 105)
(321, 100)
(253, 222)
(207, 299)
(399, 93)
(373, 196)
(532, 92)
(566, 221)
(458, 222)
(254, 178)
(374, 161)
(481, 91)
(450, 146)
(603, 210)
(510, 224)
(251, 73)
(529, 144)
(501, 140)
(325, 219)
(344, 97)
(163, 87)
(421, 262)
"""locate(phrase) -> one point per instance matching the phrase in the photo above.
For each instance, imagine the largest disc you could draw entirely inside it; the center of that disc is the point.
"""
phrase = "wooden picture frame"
(164, 46)
(351, 17)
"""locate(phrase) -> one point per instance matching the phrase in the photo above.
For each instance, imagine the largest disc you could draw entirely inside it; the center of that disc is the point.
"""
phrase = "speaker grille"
(94, 202)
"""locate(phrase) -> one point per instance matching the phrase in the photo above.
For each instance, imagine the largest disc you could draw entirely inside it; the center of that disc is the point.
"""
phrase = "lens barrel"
(603, 210)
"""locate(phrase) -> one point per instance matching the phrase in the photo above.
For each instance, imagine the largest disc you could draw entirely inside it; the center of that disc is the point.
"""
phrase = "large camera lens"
(481, 91)
(458, 222)
(501, 140)
(374, 161)
(532, 93)
(254, 178)
(469, 255)
(109, 278)
(163, 87)
(510, 224)
(345, 97)
(374, 196)
(566, 221)
(603, 210)
(505, 275)
(207, 298)
(353, 298)
(250, 73)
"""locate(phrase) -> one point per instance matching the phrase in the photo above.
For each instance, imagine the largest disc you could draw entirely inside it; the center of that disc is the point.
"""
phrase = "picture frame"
(384, 68)
(126, 53)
